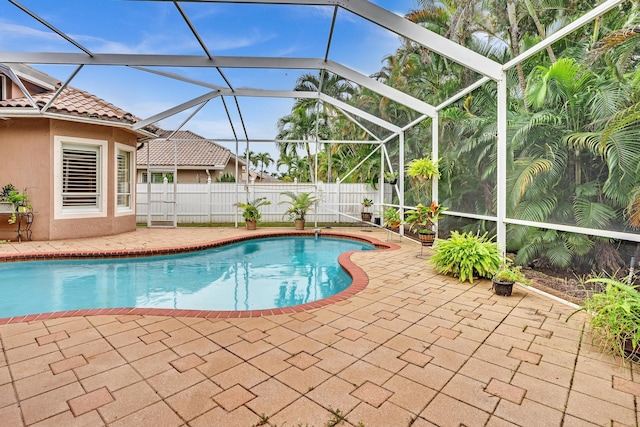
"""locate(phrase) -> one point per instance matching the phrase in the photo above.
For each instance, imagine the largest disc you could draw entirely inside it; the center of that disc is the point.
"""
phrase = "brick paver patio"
(413, 348)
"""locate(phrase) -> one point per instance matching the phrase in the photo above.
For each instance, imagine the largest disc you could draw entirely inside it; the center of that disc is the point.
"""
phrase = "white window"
(80, 169)
(157, 177)
(124, 178)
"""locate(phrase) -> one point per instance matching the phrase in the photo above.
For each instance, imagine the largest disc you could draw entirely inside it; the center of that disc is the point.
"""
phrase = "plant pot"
(426, 239)
(251, 225)
(631, 353)
(502, 288)
(366, 216)
(299, 223)
(7, 207)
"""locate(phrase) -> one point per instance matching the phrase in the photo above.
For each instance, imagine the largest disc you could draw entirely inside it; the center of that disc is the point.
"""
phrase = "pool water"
(249, 275)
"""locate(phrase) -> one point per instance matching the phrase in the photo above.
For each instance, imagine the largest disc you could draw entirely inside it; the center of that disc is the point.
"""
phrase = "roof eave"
(34, 113)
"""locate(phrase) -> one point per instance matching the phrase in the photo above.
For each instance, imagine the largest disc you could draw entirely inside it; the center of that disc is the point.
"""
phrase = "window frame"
(99, 145)
(125, 210)
(3, 88)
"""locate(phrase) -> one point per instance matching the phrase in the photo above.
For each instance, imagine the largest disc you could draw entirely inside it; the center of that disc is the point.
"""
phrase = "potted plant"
(391, 177)
(251, 212)
(615, 317)
(13, 201)
(299, 205)
(421, 221)
(466, 255)
(365, 215)
(505, 278)
(423, 168)
(6, 205)
(391, 218)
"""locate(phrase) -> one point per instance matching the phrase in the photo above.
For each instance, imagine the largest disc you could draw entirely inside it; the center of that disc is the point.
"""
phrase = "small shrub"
(615, 317)
(511, 273)
(465, 255)
(251, 210)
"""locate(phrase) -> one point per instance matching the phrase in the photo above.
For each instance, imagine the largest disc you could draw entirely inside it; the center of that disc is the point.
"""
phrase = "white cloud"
(249, 37)
(15, 36)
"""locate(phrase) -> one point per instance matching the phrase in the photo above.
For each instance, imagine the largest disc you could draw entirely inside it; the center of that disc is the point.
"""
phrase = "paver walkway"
(413, 348)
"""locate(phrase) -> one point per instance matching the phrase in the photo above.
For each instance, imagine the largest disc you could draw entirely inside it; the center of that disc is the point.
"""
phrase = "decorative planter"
(299, 224)
(251, 225)
(427, 239)
(7, 207)
(366, 216)
(502, 288)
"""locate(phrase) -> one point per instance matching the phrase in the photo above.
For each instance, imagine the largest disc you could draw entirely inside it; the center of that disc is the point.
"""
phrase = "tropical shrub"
(466, 255)
(422, 218)
(423, 168)
(615, 317)
(391, 217)
(511, 274)
(250, 210)
(299, 204)
(226, 177)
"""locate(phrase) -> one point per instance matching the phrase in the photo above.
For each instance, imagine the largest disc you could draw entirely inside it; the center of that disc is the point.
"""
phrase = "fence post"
(339, 202)
(209, 199)
(165, 200)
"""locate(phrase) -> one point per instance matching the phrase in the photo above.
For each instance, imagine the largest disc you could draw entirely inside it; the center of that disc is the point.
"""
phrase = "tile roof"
(70, 102)
(193, 150)
(75, 102)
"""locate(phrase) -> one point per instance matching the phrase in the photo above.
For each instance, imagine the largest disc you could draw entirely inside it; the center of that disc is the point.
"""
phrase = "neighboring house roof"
(73, 104)
(192, 151)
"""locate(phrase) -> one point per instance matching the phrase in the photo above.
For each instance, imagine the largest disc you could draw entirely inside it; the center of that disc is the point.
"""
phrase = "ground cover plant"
(465, 255)
(615, 317)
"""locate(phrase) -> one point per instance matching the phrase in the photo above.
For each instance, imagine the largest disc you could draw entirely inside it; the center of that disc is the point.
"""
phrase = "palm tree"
(300, 125)
(329, 84)
(265, 160)
(253, 160)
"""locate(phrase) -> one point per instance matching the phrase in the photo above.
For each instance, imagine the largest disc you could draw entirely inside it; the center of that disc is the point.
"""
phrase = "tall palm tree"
(265, 160)
(251, 156)
(300, 125)
(329, 84)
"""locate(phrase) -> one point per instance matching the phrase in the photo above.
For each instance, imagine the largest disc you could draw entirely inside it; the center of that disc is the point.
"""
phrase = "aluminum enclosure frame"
(490, 70)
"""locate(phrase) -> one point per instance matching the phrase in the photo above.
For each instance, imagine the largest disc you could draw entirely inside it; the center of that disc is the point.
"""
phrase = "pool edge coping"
(359, 278)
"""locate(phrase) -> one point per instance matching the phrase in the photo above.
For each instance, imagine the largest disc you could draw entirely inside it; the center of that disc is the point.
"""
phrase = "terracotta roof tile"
(193, 150)
(76, 102)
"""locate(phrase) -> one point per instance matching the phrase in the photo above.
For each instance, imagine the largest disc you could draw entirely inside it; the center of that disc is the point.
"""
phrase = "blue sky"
(115, 26)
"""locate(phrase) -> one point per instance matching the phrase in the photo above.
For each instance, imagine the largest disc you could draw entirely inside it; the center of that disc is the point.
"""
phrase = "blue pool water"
(249, 275)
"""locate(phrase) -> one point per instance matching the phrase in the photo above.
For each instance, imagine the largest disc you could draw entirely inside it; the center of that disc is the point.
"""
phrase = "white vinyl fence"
(214, 202)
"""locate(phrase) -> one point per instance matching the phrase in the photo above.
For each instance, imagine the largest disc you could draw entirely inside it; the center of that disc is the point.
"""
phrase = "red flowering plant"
(422, 218)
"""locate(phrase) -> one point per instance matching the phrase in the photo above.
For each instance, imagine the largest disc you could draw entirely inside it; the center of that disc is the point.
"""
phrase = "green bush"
(251, 210)
(466, 255)
(615, 316)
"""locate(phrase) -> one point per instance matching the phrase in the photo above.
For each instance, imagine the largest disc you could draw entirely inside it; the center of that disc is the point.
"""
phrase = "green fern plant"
(466, 255)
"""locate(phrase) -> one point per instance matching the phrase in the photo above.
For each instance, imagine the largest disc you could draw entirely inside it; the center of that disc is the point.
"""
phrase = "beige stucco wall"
(26, 161)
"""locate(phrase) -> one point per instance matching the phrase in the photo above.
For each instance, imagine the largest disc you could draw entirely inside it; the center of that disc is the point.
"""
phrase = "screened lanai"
(218, 66)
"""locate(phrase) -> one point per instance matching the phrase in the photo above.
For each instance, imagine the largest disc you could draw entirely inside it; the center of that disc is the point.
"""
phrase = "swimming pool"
(249, 275)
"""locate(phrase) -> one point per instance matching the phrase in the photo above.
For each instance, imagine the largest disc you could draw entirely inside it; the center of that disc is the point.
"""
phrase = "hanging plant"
(423, 168)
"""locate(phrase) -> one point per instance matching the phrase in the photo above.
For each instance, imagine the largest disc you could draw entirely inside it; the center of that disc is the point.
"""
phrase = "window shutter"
(80, 177)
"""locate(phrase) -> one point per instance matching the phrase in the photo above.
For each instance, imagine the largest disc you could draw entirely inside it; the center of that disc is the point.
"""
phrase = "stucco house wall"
(47, 129)
(27, 159)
